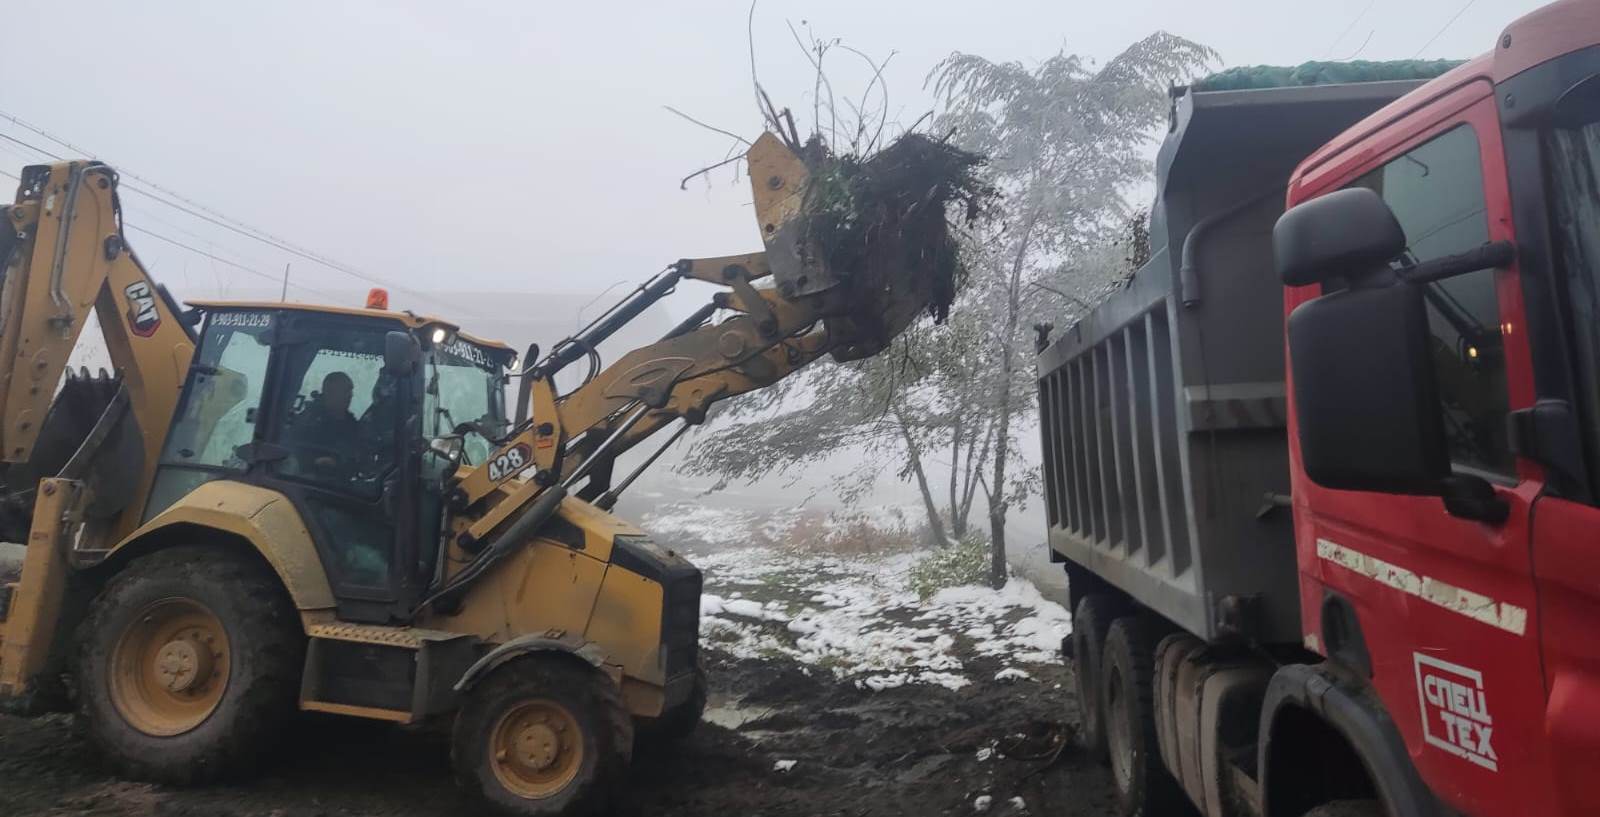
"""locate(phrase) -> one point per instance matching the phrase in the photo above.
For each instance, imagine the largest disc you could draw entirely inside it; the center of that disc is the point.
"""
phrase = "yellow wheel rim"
(169, 667)
(536, 749)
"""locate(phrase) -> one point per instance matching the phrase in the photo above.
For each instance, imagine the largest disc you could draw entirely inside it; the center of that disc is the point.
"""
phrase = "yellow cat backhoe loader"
(272, 506)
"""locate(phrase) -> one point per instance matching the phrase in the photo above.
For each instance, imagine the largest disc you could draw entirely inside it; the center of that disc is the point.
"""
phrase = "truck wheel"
(678, 722)
(543, 737)
(1089, 624)
(189, 665)
(1143, 785)
(1348, 808)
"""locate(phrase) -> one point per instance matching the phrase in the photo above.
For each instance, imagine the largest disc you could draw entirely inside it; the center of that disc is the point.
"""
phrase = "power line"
(1363, 47)
(1442, 29)
(147, 215)
(214, 257)
(206, 254)
(276, 279)
(9, 138)
(1347, 28)
(212, 216)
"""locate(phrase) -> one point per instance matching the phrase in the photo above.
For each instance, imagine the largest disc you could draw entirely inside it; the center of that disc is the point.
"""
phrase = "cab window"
(219, 410)
(218, 415)
(337, 410)
(1436, 192)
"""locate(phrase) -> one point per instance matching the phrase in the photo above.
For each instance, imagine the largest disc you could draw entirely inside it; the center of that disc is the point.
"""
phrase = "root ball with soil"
(887, 217)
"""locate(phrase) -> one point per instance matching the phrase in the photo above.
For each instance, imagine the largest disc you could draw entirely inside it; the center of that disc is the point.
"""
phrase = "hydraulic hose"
(517, 533)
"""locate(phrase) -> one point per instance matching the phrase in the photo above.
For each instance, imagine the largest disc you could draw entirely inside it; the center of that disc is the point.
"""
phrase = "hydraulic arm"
(784, 309)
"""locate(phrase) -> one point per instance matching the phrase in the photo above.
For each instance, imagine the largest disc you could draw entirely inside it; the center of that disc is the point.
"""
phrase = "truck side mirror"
(401, 353)
(1366, 399)
(1343, 233)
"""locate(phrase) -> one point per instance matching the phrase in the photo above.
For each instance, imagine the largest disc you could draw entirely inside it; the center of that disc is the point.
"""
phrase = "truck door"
(1445, 605)
(1557, 167)
(341, 430)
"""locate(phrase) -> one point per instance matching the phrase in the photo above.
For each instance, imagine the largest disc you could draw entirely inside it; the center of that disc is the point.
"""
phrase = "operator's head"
(337, 389)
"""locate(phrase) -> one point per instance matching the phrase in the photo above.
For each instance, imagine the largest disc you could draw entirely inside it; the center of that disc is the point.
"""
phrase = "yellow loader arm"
(786, 311)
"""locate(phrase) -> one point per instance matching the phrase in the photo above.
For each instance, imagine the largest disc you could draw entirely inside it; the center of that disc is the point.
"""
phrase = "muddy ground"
(911, 751)
(917, 750)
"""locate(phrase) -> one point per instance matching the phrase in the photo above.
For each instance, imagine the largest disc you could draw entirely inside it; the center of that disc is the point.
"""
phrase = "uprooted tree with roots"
(946, 406)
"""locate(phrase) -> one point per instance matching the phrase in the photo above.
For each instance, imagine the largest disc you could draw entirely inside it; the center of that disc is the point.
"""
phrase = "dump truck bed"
(1163, 410)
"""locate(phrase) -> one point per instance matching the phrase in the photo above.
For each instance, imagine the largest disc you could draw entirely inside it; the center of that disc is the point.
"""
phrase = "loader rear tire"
(1089, 625)
(1141, 782)
(543, 736)
(189, 666)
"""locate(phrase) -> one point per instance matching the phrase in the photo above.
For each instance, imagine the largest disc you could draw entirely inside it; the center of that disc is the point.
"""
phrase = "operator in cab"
(325, 435)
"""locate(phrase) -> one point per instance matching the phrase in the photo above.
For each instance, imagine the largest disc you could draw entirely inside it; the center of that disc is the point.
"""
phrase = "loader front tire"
(543, 736)
(189, 666)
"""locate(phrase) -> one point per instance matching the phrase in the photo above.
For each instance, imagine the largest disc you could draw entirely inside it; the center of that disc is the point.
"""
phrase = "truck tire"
(1143, 786)
(1089, 625)
(543, 736)
(677, 723)
(189, 666)
(1348, 808)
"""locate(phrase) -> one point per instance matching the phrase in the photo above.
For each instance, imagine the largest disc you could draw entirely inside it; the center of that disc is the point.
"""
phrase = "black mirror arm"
(1472, 497)
(1548, 433)
(1489, 256)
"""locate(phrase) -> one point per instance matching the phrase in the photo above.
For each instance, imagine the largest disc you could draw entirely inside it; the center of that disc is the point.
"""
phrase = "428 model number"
(510, 462)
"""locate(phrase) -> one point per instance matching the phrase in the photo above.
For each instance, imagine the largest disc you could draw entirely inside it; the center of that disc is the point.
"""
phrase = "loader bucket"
(871, 235)
(114, 463)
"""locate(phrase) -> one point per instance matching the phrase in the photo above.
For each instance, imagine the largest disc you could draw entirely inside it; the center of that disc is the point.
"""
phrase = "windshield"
(466, 386)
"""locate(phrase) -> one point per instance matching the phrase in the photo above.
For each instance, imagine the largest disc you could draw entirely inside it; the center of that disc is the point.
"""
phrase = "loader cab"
(308, 402)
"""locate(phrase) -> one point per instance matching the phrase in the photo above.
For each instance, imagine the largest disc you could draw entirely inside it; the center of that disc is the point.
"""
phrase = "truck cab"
(1326, 480)
(1446, 512)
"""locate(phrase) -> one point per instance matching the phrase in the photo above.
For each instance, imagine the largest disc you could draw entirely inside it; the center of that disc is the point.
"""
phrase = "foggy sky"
(521, 146)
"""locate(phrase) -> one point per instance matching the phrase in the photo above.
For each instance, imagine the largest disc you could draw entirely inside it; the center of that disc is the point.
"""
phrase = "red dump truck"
(1325, 473)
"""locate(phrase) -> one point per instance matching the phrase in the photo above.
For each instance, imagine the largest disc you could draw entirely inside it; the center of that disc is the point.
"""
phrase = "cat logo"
(143, 318)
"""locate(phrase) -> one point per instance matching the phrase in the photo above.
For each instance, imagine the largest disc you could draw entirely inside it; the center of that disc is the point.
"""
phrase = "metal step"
(402, 674)
(408, 637)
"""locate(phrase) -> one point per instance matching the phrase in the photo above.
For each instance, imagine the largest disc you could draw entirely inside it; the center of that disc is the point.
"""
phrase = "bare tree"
(1065, 142)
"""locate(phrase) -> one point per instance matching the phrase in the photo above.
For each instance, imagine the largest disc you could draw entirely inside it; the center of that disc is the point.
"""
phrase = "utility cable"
(1347, 28)
(1442, 29)
(197, 251)
(200, 211)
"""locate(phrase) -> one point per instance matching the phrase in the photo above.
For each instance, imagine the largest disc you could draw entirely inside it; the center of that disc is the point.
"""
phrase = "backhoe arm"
(62, 256)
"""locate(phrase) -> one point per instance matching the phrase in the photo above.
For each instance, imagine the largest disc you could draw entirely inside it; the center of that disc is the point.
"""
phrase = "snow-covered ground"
(710, 526)
(704, 524)
(857, 619)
